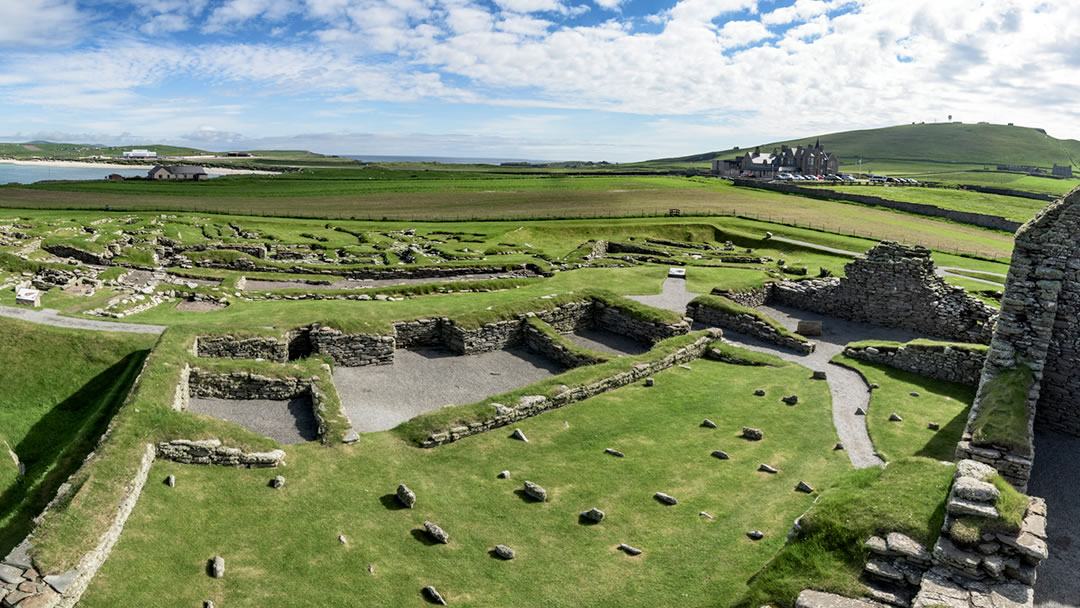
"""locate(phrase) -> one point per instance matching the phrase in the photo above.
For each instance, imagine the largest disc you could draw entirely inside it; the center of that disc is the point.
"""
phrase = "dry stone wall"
(1040, 316)
(950, 362)
(531, 405)
(752, 298)
(542, 343)
(614, 320)
(746, 323)
(894, 285)
(210, 451)
(229, 347)
(245, 385)
(352, 350)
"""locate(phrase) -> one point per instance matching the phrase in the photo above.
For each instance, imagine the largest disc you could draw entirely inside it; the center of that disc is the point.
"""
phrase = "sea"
(28, 174)
(447, 160)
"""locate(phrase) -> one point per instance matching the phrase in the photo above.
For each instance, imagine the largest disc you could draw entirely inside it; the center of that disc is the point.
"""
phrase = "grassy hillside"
(932, 143)
(39, 149)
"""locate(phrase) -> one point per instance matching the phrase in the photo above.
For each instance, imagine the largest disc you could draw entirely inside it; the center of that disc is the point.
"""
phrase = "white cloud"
(609, 4)
(42, 23)
(802, 10)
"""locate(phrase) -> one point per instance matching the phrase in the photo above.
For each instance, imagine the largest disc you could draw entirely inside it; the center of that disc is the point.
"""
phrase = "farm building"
(177, 172)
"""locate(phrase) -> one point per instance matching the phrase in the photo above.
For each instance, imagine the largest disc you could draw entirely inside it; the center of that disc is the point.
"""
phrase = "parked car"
(878, 179)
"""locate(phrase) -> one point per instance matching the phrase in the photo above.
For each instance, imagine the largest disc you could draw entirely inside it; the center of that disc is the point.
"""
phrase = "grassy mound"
(60, 388)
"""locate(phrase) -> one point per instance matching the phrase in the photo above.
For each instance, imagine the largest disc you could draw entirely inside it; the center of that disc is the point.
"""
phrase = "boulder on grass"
(406, 496)
(535, 492)
(436, 533)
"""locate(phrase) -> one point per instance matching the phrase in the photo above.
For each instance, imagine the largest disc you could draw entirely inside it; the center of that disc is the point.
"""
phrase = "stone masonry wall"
(229, 347)
(531, 405)
(753, 298)
(419, 332)
(941, 361)
(542, 343)
(352, 350)
(748, 324)
(1040, 315)
(894, 286)
(245, 385)
(210, 451)
(611, 319)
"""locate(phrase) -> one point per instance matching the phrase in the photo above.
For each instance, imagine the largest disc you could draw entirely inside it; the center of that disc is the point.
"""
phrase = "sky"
(615, 80)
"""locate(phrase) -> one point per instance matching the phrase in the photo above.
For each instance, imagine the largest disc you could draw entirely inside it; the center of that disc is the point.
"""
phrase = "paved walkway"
(1056, 477)
(48, 316)
(849, 391)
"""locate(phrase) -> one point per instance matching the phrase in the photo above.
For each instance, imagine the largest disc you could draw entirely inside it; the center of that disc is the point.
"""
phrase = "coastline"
(89, 165)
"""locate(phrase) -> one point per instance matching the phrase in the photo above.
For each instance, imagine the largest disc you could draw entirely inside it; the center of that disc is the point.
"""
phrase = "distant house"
(161, 172)
(1062, 170)
(140, 154)
(115, 177)
(808, 160)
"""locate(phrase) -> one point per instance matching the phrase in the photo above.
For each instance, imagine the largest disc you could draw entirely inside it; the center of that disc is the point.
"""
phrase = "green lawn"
(1011, 207)
(290, 536)
(61, 387)
(945, 403)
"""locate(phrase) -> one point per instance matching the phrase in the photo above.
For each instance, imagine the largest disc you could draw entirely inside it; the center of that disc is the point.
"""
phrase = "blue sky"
(615, 80)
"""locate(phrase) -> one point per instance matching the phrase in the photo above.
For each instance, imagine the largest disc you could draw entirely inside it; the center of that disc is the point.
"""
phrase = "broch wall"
(749, 324)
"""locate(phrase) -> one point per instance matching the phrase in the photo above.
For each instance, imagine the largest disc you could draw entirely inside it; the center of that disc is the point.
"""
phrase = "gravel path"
(286, 422)
(849, 390)
(380, 397)
(1056, 477)
(48, 316)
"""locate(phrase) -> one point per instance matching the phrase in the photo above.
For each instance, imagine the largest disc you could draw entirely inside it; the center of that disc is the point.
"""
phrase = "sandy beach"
(91, 165)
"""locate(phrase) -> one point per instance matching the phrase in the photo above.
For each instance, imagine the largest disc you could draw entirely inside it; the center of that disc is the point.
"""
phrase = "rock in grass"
(614, 452)
(595, 515)
(818, 375)
(217, 567)
(790, 399)
(277, 482)
(766, 468)
(629, 550)
(709, 424)
(874, 386)
(504, 552)
(171, 481)
(839, 445)
(756, 534)
(704, 514)
(519, 435)
(535, 492)
(804, 487)
(649, 382)
(341, 539)
(722, 455)
(914, 394)
(894, 417)
(433, 596)
(436, 533)
(406, 496)
(504, 475)
(208, 604)
(666, 499)
(933, 426)
(759, 392)
(752, 434)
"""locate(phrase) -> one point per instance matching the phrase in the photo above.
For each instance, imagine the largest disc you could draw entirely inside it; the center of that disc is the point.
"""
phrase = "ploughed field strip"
(285, 421)
(379, 397)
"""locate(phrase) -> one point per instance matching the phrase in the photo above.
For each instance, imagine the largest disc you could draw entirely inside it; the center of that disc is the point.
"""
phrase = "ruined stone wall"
(1040, 315)
(419, 332)
(748, 324)
(613, 320)
(531, 405)
(210, 451)
(229, 347)
(570, 317)
(352, 350)
(486, 338)
(944, 362)
(245, 385)
(894, 286)
(753, 298)
(542, 343)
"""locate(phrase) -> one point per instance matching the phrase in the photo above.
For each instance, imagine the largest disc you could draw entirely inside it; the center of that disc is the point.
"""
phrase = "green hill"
(939, 143)
(44, 149)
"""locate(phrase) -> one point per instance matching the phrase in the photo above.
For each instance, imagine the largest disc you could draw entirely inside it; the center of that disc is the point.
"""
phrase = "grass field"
(61, 387)
(1011, 207)
(291, 535)
(944, 403)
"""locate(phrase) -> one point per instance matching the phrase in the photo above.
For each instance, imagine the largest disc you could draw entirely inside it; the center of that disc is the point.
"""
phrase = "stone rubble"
(434, 596)
(752, 434)
(535, 492)
(614, 452)
(594, 515)
(436, 533)
(629, 550)
(709, 424)
(666, 499)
